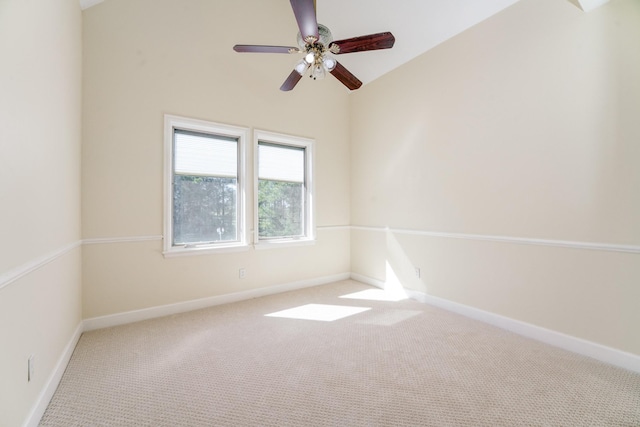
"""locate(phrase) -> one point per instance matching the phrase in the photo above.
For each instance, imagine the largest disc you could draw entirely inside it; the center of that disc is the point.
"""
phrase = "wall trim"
(368, 280)
(46, 394)
(21, 271)
(129, 239)
(185, 306)
(29, 267)
(570, 343)
(607, 247)
(133, 239)
(333, 227)
(508, 239)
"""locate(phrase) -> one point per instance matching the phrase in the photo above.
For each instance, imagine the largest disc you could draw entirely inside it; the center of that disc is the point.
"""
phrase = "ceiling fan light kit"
(316, 56)
(316, 42)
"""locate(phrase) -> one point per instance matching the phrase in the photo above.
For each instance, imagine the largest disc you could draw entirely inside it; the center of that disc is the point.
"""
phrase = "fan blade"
(305, 13)
(264, 49)
(345, 76)
(363, 43)
(291, 81)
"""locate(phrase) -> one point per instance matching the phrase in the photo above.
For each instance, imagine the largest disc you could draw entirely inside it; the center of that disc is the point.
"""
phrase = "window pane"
(280, 163)
(204, 187)
(280, 209)
(204, 209)
(202, 154)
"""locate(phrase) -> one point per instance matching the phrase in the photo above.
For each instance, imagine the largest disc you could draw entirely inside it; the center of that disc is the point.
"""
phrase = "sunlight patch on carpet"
(321, 312)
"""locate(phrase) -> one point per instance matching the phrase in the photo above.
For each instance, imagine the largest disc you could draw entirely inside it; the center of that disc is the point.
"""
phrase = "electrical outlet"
(242, 273)
(30, 367)
(418, 272)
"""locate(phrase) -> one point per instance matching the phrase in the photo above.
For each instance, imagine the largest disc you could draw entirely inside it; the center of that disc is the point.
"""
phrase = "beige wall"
(40, 116)
(524, 126)
(143, 59)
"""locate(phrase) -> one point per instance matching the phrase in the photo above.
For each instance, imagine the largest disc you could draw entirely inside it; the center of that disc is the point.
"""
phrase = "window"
(284, 190)
(204, 186)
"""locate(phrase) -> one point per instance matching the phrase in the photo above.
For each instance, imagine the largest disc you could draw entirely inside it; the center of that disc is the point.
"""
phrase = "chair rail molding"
(17, 273)
(610, 247)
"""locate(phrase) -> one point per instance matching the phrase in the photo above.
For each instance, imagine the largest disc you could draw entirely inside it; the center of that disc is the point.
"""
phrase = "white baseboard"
(181, 307)
(580, 346)
(368, 280)
(40, 406)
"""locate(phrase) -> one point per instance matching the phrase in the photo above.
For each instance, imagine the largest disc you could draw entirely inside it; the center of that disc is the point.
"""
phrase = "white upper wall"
(40, 129)
(525, 125)
(40, 257)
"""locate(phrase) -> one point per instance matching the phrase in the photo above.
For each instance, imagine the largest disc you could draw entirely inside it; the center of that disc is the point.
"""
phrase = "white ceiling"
(418, 25)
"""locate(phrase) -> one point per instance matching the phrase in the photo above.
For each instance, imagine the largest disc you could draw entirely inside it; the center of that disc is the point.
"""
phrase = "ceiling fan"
(316, 42)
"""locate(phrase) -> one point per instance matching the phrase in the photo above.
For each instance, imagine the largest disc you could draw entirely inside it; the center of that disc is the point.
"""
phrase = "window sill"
(205, 250)
(283, 243)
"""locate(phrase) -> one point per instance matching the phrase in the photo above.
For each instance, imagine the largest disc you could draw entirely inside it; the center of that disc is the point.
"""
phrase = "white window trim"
(242, 134)
(310, 224)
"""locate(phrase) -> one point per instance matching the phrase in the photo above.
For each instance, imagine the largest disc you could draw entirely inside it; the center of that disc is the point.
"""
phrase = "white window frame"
(308, 145)
(171, 123)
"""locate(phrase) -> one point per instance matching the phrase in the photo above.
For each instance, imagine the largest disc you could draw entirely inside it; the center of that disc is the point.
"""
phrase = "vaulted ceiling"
(418, 25)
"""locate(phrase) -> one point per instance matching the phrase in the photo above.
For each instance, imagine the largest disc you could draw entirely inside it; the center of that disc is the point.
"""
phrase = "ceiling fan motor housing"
(324, 39)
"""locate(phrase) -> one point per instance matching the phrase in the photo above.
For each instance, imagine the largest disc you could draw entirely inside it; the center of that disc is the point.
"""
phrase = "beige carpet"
(399, 363)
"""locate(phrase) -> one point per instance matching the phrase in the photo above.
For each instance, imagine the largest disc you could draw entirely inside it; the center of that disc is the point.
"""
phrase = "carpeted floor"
(387, 363)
